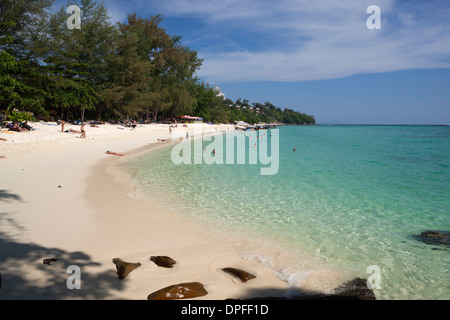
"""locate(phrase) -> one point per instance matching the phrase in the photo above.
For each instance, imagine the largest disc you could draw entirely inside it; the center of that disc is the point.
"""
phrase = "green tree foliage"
(17, 80)
(128, 88)
(27, 16)
(214, 108)
(77, 59)
(131, 70)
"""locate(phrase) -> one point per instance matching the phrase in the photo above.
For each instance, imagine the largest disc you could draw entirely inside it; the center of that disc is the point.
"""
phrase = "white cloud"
(330, 58)
(213, 11)
(314, 40)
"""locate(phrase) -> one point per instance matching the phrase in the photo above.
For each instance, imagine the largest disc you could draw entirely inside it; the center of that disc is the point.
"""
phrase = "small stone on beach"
(244, 276)
(124, 268)
(49, 261)
(163, 261)
(187, 290)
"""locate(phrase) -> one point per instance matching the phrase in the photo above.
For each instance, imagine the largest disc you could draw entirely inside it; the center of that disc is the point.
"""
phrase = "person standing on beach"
(83, 132)
(62, 125)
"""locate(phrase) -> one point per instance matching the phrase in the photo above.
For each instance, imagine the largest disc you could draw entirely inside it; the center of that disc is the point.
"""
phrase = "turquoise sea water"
(348, 197)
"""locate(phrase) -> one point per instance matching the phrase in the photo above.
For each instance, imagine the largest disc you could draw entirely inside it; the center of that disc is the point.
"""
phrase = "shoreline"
(62, 197)
(289, 271)
(47, 214)
(156, 230)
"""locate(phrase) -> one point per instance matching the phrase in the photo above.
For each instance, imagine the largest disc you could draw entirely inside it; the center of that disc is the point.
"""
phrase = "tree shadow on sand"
(355, 289)
(8, 197)
(24, 276)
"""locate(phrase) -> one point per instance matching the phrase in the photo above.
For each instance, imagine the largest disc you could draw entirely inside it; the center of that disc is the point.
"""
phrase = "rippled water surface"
(349, 197)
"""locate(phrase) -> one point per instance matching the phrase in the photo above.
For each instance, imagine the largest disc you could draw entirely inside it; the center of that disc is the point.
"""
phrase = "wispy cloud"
(312, 40)
(117, 11)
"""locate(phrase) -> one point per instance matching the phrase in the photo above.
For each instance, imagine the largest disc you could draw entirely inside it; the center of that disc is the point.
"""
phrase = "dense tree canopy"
(103, 71)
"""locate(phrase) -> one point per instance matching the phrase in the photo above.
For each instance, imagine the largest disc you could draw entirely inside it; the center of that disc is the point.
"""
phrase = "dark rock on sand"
(434, 237)
(49, 261)
(244, 276)
(163, 261)
(124, 268)
(179, 291)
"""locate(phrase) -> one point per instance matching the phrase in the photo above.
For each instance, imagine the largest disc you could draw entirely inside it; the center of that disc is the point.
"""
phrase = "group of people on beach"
(18, 126)
(14, 126)
(82, 131)
(83, 135)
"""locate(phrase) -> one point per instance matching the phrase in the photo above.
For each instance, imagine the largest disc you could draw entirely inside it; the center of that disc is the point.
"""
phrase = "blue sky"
(318, 57)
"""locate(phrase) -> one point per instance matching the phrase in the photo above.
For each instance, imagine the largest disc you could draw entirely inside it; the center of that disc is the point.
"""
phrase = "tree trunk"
(82, 114)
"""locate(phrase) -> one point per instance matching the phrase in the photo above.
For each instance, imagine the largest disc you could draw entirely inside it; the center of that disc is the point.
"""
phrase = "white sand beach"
(62, 197)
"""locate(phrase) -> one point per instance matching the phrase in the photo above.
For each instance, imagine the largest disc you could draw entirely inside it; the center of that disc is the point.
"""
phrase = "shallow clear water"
(348, 197)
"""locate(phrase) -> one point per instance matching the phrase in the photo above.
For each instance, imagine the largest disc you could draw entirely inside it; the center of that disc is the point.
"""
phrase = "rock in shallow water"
(434, 237)
(187, 290)
(244, 276)
(124, 268)
(356, 289)
(163, 261)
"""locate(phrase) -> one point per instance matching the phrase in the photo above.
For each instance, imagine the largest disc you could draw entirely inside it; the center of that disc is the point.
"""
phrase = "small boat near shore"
(241, 125)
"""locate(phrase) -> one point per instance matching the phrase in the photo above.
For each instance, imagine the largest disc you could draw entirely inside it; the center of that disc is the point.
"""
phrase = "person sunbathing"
(114, 153)
(3, 139)
(15, 127)
(26, 126)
